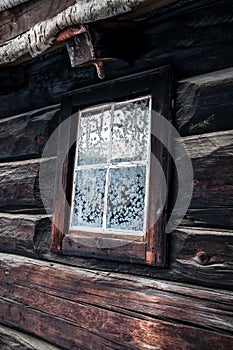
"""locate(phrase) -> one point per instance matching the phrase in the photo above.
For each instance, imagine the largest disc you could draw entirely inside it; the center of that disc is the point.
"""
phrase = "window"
(111, 168)
(108, 177)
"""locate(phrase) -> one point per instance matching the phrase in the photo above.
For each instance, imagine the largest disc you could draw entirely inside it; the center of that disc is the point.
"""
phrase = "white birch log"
(7, 4)
(42, 35)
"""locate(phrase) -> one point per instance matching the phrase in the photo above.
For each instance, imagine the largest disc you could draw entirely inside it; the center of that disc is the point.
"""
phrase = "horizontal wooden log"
(198, 256)
(27, 235)
(205, 103)
(209, 217)
(25, 136)
(212, 158)
(20, 188)
(11, 339)
(144, 314)
(201, 256)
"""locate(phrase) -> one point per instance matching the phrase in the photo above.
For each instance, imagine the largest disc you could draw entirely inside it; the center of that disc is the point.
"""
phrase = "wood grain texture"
(205, 103)
(144, 314)
(13, 340)
(209, 217)
(212, 158)
(19, 185)
(42, 35)
(30, 236)
(20, 19)
(27, 235)
(115, 249)
(28, 134)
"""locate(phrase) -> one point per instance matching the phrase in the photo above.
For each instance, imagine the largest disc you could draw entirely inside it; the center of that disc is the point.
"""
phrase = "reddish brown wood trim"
(60, 213)
(104, 248)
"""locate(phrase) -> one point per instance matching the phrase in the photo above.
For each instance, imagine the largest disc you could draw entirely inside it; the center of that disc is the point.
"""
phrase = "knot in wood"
(202, 258)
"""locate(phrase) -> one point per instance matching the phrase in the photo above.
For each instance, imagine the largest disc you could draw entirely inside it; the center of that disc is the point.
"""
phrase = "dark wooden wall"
(76, 303)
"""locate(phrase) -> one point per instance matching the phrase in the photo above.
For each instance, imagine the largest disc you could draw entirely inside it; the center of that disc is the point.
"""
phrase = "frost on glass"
(126, 198)
(88, 203)
(94, 134)
(130, 131)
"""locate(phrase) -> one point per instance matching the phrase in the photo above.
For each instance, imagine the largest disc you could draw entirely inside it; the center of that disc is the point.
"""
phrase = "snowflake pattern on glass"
(126, 198)
(130, 131)
(111, 167)
(93, 143)
(89, 198)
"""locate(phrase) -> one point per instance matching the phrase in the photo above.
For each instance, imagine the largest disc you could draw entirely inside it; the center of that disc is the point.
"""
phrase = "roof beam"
(42, 36)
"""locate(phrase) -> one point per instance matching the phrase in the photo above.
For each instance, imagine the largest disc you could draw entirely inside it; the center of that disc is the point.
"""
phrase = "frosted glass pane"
(126, 198)
(130, 131)
(94, 136)
(88, 204)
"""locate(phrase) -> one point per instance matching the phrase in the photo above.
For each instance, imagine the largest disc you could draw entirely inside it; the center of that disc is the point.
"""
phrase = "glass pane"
(130, 131)
(88, 203)
(94, 136)
(126, 198)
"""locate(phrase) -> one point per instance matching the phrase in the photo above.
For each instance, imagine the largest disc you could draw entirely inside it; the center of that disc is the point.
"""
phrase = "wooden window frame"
(150, 250)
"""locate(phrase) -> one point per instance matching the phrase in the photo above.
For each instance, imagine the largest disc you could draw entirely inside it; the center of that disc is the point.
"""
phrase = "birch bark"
(42, 35)
(7, 4)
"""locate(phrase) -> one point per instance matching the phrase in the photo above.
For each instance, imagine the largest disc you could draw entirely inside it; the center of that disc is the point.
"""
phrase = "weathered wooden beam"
(212, 158)
(205, 103)
(24, 136)
(20, 19)
(215, 217)
(25, 234)
(84, 303)
(30, 235)
(184, 263)
(11, 339)
(42, 36)
(19, 185)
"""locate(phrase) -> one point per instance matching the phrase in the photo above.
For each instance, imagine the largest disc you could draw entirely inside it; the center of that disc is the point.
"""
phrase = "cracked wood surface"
(13, 340)
(97, 309)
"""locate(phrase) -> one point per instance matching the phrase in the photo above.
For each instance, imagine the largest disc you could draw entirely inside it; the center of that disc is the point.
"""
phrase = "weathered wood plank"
(19, 185)
(26, 235)
(14, 340)
(42, 35)
(205, 103)
(156, 313)
(202, 254)
(119, 250)
(30, 236)
(213, 267)
(212, 158)
(21, 18)
(25, 136)
(209, 217)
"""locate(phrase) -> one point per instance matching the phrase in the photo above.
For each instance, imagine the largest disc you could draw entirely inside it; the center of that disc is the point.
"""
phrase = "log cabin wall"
(76, 303)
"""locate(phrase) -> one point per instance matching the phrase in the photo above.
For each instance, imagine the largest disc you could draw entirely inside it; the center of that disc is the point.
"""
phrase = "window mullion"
(108, 170)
